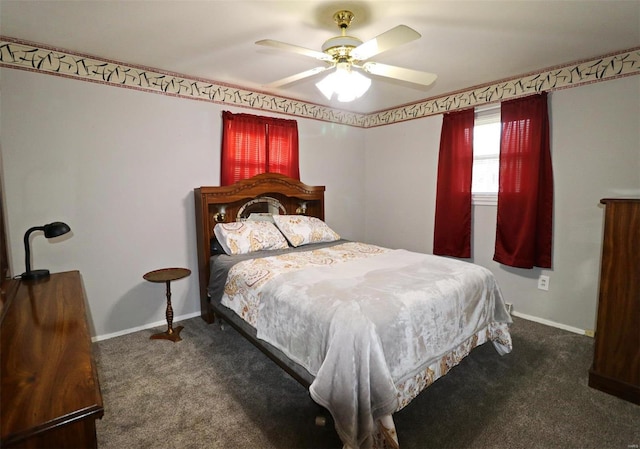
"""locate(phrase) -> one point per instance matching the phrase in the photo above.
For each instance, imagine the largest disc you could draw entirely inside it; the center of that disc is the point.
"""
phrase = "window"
(508, 164)
(254, 144)
(486, 155)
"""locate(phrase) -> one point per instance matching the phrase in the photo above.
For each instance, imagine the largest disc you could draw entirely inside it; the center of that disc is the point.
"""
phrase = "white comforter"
(363, 319)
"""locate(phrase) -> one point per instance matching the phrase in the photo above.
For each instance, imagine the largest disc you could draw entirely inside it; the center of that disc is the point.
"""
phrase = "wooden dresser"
(50, 391)
(616, 361)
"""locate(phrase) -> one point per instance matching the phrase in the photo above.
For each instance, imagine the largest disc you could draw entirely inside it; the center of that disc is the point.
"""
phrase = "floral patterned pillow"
(302, 230)
(244, 237)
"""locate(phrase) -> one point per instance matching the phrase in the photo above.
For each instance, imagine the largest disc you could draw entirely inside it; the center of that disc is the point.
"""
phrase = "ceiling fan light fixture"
(345, 83)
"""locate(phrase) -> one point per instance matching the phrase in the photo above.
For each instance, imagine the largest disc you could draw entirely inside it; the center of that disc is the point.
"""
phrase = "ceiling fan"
(345, 53)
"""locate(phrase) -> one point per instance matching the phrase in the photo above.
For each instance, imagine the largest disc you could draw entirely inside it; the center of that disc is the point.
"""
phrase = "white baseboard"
(524, 316)
(575, 330)
(145, 326)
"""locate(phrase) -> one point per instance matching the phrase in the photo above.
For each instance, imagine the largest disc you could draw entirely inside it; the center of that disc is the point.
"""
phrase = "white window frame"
(485, 115)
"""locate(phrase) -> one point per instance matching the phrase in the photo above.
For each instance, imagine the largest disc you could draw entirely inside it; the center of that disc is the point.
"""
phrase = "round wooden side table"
(167, 275)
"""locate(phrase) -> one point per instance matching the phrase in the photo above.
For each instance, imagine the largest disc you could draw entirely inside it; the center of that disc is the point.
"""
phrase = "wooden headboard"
(222, 204)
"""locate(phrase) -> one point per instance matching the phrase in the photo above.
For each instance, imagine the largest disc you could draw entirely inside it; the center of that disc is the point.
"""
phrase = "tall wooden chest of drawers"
(616, 361)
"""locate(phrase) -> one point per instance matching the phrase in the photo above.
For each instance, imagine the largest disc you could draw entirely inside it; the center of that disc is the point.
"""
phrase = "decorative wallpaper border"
(39, 58)
(604, 68)
(34, 57)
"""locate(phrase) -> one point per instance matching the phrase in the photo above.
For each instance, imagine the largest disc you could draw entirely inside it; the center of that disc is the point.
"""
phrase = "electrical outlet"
(509, 307)
(543, 282)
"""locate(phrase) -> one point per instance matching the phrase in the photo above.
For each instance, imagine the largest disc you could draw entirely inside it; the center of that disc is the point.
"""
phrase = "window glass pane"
(485, 176)
(486, 139)
(486, 153)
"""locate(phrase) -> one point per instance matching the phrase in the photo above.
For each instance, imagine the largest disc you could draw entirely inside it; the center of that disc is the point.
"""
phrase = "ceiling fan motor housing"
(340, 45)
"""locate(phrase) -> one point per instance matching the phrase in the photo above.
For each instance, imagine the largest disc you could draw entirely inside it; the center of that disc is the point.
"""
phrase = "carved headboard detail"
(276, 193)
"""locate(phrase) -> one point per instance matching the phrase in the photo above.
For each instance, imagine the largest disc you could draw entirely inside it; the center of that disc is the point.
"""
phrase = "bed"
(364, 328)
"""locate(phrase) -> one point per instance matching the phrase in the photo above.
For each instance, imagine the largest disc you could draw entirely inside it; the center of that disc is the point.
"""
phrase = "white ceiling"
(466, 43)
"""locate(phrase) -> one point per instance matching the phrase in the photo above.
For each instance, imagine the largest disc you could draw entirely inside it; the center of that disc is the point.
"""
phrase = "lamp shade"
(55, 229)
(345, 83)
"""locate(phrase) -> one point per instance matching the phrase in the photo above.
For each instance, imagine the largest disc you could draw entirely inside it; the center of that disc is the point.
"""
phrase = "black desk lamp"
(50, 230)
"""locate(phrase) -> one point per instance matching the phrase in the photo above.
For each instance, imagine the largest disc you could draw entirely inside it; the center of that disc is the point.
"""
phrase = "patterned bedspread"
(374, 326)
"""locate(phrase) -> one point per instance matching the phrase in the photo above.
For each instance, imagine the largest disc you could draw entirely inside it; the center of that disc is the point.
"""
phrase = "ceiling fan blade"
(386, 41)
(296, 49)
(297, 76)
(390, 71)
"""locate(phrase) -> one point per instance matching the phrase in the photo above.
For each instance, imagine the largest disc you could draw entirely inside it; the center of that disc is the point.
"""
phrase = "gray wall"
(595, 144)
(119, 166)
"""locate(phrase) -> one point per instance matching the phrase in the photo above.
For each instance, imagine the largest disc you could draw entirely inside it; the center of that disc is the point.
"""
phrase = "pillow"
(302, 230)
(244, 237)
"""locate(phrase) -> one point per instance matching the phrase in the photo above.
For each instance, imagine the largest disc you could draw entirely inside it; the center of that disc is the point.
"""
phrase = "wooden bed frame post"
(204, 254)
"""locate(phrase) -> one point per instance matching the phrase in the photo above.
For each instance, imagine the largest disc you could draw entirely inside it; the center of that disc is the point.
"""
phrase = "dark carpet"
(214, 389)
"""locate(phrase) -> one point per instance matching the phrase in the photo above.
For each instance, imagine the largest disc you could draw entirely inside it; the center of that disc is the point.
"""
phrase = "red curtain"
(252, 145)
(525, 195)
(452, 231)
